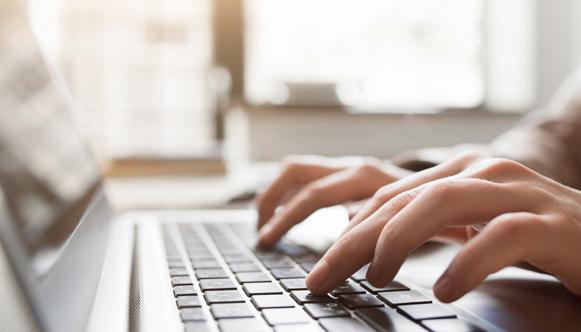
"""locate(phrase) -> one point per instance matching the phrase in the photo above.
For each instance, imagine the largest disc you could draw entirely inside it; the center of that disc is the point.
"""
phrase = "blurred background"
(260, 79)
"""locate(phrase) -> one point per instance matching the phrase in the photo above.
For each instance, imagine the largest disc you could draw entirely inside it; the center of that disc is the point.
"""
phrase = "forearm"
(548, 140)
(550, 147)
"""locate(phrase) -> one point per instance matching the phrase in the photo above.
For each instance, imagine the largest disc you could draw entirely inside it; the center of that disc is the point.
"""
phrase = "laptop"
(69, 263)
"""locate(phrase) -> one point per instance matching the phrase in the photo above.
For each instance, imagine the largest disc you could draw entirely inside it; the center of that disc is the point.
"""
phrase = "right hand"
(308, 183)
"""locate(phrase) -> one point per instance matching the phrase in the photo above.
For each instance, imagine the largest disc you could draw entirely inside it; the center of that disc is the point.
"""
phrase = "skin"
(308, 183)
(528, 219)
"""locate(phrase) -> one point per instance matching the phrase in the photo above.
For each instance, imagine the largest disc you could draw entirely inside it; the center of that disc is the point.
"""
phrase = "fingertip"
(446, 297)
(265, 238)
(265, 243)
(445, 291)
(374, 274)
(318, 278)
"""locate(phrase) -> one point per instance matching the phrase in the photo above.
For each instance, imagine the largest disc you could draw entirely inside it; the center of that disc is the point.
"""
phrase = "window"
(136, 70)
(376, 54)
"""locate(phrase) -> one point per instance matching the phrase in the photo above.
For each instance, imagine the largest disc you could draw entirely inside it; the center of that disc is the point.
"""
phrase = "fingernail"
(374, 272)
(319, 276)
(263, 234)
(264, 230)
(443, 287)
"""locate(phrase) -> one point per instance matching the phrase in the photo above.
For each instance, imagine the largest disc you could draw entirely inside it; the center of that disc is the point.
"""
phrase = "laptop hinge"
(135, 290)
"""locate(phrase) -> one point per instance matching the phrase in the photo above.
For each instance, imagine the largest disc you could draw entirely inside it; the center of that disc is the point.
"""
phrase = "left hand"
(530, 218)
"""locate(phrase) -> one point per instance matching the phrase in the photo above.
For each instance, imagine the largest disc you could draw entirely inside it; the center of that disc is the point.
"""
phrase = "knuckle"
(291, 161)
(441, 190)
(288, 163)
(383, 194)
(509, 227)
(403, 199)
(468, 157)
(369, 164)
(503, 165)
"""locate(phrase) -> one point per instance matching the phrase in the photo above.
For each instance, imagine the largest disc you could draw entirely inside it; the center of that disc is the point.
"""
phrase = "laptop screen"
(46, 171)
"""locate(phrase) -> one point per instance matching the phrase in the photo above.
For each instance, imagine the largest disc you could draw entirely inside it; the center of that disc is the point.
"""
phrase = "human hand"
(308, 183)
(530, 218)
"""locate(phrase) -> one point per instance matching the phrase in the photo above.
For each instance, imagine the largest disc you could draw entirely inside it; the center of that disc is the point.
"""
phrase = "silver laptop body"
(68, 263)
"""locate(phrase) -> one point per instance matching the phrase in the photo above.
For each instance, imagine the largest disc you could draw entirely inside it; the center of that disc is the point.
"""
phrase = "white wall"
(558, 43)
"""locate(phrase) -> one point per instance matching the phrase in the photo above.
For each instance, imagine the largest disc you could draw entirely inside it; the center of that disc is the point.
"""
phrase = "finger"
(346, 256)
(358, 245)
(449, 168)
(446, 202)
(458, 235)
(291, 175)
(503, 242)
(346, 185)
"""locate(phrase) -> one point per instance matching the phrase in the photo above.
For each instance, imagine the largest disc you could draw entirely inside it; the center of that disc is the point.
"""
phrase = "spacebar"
(386, 319)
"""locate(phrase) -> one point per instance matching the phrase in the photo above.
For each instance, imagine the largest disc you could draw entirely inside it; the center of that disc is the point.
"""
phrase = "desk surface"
(180, 192)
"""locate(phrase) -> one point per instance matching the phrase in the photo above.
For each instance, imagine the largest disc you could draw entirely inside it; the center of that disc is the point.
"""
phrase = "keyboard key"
(181, 280)
(285, 316)
(450, 325)
(242, 325)
(278, 263)
(231, 310)
(236, 258)
(386, 319)
(200, 255)
(244, 267)
(298, 328)
(349, 287)
(216, 284)
(284, 273)
(403, 297)
(192, 314)
(229, 249)
(176, 272)
(176, 264)
(188, 301)
(343, 324)
(211, 274)
(360, 301)
(173, 256)
(268, 254)
(308, 266)
(206, 264)
(392, 286)
(196, 327)
(291, 250)
(197, 250)
(272, 301)
(184, 290)
(231, 296)
(303, 297)
(293, 284)
(261, 288)
(307, 258)
(326, 310)
(197, 259)
(360, 274)
(244, 277)
(426, 311)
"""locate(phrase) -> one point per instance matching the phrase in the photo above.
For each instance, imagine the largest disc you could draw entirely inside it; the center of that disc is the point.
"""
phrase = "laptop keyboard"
(228, 283)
